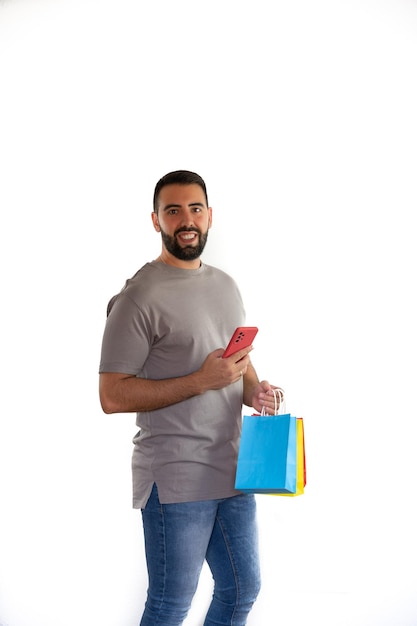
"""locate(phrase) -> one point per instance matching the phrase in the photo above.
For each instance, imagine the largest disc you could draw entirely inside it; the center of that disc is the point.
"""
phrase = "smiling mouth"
(187, 237)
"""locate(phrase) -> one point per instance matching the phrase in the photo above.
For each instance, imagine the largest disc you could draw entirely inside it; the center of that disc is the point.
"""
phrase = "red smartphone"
(241, 338)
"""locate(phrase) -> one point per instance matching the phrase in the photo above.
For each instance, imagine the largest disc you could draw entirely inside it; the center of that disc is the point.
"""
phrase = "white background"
(301, 116)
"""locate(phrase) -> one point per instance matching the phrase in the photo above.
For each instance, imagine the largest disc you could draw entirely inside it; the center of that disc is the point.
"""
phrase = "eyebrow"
(178, 206)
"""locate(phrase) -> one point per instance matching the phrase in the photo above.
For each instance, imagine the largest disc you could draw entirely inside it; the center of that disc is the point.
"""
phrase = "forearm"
(250, 382)
(128, 394)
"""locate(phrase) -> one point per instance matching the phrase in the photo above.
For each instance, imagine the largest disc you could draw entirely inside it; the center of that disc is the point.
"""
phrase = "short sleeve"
(126, 339)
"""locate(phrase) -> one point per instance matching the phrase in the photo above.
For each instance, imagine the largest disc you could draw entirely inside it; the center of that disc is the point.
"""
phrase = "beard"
(186, 253)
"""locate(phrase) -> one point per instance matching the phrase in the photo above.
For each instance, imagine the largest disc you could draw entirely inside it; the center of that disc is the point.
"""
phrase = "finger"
(240, 373)
(241, 354)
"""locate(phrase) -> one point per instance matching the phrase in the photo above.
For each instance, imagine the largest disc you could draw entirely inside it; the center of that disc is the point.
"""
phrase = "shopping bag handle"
(280, 409)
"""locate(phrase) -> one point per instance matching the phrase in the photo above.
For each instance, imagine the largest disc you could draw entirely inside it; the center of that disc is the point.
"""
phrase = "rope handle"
(279, 409)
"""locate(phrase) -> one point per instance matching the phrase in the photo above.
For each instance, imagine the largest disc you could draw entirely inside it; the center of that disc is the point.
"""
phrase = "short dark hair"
(179, 177)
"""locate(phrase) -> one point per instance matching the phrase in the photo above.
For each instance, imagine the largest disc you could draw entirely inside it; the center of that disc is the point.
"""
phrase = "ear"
(155, 222)
(210, 210)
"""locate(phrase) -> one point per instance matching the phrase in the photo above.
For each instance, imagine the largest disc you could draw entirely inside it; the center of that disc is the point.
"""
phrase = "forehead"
(181, 195)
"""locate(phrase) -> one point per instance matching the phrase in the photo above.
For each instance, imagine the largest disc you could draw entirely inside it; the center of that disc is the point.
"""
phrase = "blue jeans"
(179, 537)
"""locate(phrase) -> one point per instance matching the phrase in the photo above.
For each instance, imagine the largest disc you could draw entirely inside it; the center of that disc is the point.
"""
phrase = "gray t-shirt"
(163, 324)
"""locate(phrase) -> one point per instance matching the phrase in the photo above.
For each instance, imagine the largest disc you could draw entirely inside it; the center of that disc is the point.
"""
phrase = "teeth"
(187, 236)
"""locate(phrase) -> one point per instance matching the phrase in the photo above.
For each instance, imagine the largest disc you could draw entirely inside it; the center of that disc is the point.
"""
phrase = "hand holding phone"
(242, 338)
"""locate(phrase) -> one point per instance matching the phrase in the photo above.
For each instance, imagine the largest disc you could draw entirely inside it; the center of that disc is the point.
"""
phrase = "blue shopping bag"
(267, 459)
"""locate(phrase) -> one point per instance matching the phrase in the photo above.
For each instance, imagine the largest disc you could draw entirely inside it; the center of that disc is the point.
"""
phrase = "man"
(161, 358)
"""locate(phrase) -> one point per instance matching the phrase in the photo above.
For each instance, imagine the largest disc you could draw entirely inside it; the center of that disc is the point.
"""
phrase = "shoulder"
(132, 284)
(217, 274)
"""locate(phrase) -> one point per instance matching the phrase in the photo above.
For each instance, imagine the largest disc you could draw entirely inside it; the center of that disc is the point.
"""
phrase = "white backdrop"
(301, 116)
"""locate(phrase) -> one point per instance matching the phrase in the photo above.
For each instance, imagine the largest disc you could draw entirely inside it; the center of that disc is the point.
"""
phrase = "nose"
(188, 219)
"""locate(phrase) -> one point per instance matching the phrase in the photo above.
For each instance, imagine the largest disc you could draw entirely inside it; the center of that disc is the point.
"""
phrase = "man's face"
(183, 220)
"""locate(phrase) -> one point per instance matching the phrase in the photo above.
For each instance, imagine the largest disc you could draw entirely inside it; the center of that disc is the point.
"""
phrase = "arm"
(125, 393)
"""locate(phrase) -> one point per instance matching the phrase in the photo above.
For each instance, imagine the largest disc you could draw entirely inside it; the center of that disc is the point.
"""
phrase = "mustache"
(185, 229)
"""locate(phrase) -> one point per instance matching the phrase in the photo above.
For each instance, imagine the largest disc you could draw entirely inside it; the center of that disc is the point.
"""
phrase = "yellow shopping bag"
(301, 461)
